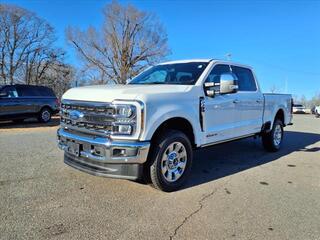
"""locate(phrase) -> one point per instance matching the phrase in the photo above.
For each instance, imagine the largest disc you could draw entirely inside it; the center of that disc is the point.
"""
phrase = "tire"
(272, 140)
(170, 161)
(45, 115)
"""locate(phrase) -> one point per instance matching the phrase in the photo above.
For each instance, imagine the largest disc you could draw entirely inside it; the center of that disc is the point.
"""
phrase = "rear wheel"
(272, 140)
(44, 115)
(170, 161)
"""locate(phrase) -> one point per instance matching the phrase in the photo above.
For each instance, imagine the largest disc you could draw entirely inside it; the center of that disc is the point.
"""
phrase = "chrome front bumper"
(102, 156)
(105, 150)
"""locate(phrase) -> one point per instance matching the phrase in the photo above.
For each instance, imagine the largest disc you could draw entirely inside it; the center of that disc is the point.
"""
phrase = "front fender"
(156, 115)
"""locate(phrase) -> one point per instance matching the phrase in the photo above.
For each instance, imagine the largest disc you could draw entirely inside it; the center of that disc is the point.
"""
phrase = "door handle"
(236, 101)
(259, 101)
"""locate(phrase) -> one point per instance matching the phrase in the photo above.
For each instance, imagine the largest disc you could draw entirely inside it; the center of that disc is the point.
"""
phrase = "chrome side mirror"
(228, 83)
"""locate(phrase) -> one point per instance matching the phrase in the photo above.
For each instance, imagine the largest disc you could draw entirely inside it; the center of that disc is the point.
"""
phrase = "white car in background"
(299, 108)
(317, 111)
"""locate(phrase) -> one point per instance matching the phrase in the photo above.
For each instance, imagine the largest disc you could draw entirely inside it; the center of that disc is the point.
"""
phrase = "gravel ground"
(236, 191)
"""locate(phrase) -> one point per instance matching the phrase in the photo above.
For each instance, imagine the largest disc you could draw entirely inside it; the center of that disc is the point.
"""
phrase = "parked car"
(150, 127)
(299, 108)
(18, 102)
(317, 111)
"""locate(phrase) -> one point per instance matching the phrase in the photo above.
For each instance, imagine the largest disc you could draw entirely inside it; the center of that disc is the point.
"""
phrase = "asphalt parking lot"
(236, 191)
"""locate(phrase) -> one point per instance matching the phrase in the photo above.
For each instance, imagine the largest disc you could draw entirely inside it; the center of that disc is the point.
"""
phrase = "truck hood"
(108, 93)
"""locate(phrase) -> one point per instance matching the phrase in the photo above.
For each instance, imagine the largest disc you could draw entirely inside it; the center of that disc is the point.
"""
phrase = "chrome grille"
(88, 117)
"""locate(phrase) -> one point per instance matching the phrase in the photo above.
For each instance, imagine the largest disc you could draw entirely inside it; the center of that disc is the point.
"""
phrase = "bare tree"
(128, 41)
(24, 37)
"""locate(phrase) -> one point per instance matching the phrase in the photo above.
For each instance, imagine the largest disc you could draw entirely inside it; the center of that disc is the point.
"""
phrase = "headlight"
(123, 129)
(125, 111)
(125, 119)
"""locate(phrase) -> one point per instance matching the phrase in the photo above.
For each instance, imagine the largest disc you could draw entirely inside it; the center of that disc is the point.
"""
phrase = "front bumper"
(102, 156)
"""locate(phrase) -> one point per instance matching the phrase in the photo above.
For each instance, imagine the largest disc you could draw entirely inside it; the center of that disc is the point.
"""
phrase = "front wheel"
(44, 115)
(273, 139)
(171, 161)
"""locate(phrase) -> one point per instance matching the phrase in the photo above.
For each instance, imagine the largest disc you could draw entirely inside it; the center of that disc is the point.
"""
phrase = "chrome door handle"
(236, 101)
(259, 101)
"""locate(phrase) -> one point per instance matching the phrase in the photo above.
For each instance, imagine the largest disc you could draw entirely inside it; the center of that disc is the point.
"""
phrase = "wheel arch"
(280, 116)
(176, 123)
(45, 106)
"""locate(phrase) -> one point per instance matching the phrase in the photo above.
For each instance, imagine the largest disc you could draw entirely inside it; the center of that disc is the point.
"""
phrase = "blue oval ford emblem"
(75, 115)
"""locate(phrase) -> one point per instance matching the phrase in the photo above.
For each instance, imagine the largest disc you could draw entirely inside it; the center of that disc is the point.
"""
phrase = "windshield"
(178, 73)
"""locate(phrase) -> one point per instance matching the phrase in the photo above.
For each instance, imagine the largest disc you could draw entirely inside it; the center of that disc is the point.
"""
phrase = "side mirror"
(3, 94)
(228, 83)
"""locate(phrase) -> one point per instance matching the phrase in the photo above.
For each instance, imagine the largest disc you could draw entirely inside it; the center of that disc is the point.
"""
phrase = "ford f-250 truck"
(150, 126)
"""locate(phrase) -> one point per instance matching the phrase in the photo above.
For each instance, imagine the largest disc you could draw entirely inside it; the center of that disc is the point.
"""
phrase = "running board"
(229, 140)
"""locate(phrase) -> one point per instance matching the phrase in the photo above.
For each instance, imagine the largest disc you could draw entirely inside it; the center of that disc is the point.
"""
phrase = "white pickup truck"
(149, 127)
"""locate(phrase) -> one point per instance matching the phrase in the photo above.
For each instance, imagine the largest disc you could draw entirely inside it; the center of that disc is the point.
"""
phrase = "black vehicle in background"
(18, 102)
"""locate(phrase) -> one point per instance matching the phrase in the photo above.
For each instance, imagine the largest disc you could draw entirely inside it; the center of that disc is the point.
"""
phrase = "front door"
(219, 111)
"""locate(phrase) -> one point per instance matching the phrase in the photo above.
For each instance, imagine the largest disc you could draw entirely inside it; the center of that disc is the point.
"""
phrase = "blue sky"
(280, 39)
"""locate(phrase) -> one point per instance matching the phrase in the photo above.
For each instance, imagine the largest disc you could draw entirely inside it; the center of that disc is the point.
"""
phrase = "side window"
(216, 72)
(245, 78)
(11, 92)
(27, 91)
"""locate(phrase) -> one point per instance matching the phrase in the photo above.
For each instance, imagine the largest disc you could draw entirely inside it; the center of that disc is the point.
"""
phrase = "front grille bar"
(95, 117)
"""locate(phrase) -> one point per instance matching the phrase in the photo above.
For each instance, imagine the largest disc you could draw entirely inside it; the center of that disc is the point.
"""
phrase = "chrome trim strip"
(228, 140)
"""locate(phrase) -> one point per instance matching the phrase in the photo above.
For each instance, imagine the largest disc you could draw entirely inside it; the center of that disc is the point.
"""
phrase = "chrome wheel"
(45, 115)
(277, 135)
(173, 162)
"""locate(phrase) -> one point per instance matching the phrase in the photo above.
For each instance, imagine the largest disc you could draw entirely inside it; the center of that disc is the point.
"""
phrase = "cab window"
(245, 79)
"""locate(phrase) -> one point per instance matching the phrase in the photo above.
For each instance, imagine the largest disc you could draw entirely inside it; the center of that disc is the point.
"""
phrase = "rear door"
(28, 98)
(249, 102)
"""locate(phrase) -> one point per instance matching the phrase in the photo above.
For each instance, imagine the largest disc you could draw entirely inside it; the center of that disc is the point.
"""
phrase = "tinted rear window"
(34, 91)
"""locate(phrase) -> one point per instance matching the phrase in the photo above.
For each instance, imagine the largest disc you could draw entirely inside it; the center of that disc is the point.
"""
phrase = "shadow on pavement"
(29, 123)
(218, 161)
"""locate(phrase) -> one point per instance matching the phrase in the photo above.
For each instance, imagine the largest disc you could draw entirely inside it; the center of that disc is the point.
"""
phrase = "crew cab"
(149, 127)
(18, 102)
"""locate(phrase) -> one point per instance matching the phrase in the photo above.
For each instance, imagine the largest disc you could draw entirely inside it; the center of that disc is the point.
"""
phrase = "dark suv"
(18, 102)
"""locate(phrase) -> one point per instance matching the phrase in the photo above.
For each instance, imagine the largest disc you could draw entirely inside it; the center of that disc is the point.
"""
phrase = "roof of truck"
(186, 61)
(206, 60)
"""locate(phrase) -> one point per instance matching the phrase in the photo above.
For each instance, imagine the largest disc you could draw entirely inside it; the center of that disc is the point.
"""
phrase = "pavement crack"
(201, 204)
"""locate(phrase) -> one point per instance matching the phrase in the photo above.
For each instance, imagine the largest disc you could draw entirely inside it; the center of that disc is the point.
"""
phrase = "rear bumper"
(102, 156)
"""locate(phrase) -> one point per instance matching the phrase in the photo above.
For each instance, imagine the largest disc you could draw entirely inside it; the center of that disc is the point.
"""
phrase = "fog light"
(121, 152)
